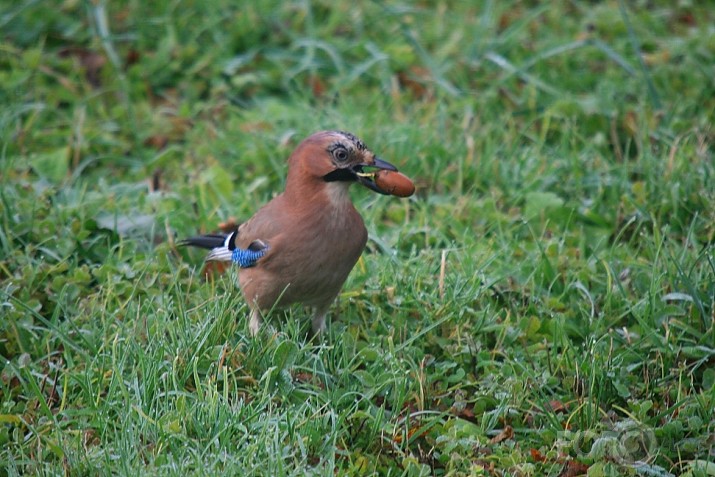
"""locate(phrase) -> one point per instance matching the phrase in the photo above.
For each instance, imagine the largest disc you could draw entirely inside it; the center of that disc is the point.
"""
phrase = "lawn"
(543, 305)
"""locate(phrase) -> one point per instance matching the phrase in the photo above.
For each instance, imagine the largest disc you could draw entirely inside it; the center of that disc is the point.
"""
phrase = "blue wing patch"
(246, 258)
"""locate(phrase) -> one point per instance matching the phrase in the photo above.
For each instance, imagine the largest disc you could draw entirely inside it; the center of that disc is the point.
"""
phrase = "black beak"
(366, 178)
(359, 174)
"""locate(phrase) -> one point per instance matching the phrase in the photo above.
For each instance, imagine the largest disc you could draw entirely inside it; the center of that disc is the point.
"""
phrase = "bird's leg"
(318, 322)
(254, 325)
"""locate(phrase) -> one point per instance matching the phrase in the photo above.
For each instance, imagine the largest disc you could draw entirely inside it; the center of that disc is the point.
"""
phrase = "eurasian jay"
(301, 246)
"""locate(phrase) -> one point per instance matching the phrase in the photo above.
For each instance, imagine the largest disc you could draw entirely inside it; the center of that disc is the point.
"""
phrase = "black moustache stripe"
(342, 175)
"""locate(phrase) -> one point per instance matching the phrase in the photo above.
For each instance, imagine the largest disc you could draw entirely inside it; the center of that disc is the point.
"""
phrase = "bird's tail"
(217, 243)
(214, 265)
(209, 241)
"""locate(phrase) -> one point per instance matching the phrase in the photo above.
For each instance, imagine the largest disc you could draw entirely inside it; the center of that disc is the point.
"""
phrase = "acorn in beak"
(367, 178)
(364, 173)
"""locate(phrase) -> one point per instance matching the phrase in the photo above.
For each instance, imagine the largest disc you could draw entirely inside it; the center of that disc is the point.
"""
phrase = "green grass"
(543, 305)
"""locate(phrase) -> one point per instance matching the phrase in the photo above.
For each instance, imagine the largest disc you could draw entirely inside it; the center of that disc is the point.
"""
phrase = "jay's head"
(336, 158)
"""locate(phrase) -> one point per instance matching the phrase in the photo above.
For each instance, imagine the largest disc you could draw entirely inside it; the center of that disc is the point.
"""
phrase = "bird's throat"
(338, 195)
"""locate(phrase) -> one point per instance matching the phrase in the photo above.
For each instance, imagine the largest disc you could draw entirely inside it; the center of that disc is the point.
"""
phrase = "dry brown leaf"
(317, 85)
(229, 225)
(506, 433)
(213, 269)
(572, 468)
(414, 81)
(157, 141)
(90, 61)
(537, 455)
(557, 406)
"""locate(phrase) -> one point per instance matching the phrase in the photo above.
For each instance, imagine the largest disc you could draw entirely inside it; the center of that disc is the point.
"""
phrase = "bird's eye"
(341, 154)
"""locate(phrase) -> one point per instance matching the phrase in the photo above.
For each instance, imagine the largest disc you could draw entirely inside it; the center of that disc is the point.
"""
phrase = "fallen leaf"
(414, 430)
(687, 18)
(489, 466)
(306, 377)
(91, 62)
(537, 455)
(557, 406)
(133, 56)
(572, 468)
(213, 269)
(506, 433)
(317, 85)
(415, 81)
(229, 225)
(90, 438)
(157, 141)
(468, 414)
